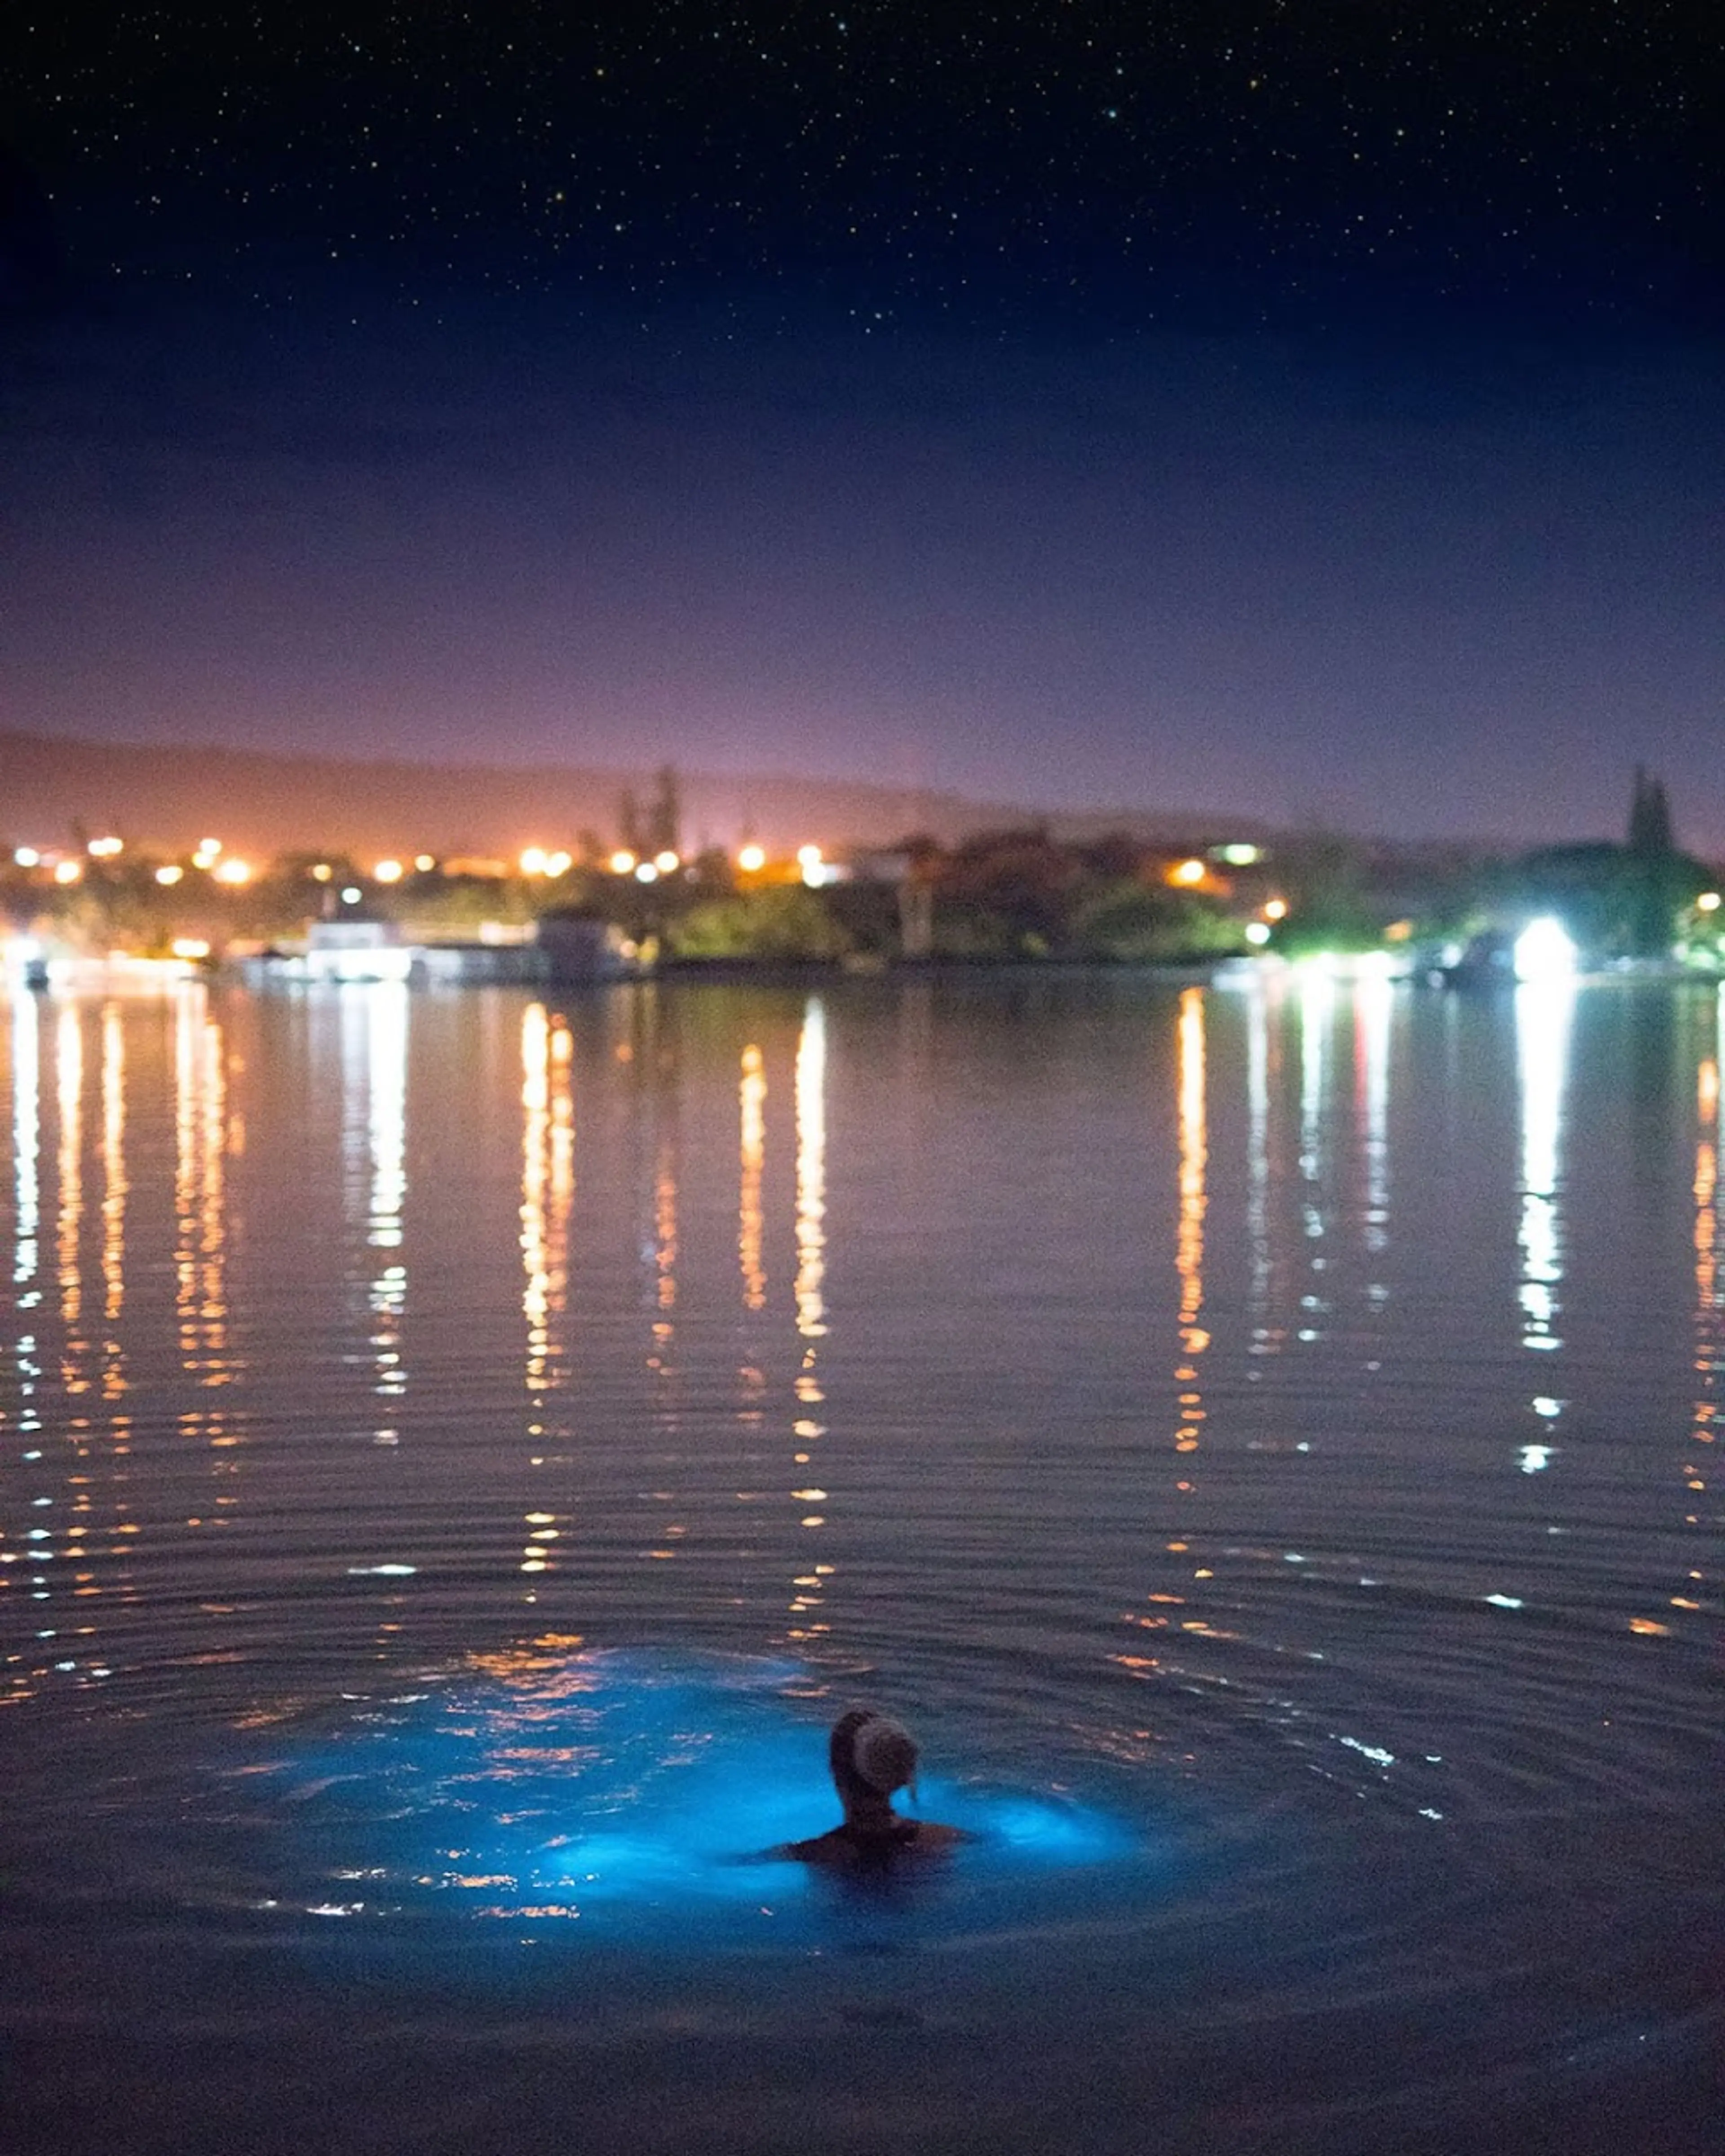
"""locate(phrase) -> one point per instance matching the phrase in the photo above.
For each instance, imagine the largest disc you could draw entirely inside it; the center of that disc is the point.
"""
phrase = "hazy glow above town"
(1307, 423)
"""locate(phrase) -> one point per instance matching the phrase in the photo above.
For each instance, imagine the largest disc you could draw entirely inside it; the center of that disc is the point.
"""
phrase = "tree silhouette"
(1649, 819)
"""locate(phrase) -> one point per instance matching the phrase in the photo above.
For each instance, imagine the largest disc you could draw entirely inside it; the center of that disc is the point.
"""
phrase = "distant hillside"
(170, 798)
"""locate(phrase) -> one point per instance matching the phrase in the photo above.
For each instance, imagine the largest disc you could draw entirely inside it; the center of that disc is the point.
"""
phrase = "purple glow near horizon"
(1349, 452)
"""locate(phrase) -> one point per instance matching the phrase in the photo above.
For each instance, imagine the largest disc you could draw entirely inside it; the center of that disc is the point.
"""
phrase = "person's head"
(871, 1756)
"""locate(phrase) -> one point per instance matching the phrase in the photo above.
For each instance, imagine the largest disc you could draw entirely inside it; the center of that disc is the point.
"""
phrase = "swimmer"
(871, 1757)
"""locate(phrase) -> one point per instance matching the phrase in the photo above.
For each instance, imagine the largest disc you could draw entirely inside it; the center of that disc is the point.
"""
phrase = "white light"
(425, 863)
(105, 850)
(533, 861)
(1544, 951)
(645, 872)
(235, 872)
(665, 862)
(350, 894)
(751, 858)
(170, 874)
(1257, 931)
(388, 872)
(27, 857)
(809, 856)
(622, 862)
(559, 864)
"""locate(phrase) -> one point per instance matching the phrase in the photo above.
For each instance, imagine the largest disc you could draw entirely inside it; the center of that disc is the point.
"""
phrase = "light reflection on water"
(1287, 1408)
(1304, 1251)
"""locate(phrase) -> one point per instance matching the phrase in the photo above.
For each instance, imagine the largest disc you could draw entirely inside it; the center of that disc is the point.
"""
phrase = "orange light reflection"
(752, 1098)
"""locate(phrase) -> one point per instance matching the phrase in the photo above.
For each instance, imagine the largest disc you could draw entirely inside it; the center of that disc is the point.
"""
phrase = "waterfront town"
(577, 906)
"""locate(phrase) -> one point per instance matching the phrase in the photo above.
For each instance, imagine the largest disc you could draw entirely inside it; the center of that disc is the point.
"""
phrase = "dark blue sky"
(1314, 411)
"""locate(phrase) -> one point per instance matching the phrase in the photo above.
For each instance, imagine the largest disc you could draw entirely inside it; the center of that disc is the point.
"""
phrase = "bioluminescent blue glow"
(631, 1794)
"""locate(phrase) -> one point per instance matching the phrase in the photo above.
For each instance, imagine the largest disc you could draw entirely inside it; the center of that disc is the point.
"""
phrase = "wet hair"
(870, 1757)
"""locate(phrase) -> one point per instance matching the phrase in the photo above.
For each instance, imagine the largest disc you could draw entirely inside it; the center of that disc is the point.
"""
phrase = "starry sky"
(1309, 411)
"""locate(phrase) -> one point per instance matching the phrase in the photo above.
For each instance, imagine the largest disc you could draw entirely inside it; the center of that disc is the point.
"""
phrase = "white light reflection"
(386, 1133)
(386, 1004)
(1544, 1010)
(26, 1150)
(1317, 1010)
(1188, 1248)
(1258, 1145)
(201, 1221)
(1267, 1032)
(1375, 1753)
(26, 1295)
(76, 1427)
(548, 1200)
(1373, 1002)
(69, 1080)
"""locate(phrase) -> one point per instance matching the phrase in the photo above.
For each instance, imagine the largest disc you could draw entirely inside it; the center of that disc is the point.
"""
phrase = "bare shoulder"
(834, 1847)
(931, 1839)
(846, 1849)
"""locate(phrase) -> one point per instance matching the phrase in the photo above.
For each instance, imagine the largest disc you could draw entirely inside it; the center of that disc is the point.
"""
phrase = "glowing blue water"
(639, 1795)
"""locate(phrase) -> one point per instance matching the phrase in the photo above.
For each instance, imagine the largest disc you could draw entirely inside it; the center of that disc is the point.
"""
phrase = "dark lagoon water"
(457, 1455)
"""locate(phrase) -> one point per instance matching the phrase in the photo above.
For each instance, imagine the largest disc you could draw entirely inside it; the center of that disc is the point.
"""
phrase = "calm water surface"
(458, 1454)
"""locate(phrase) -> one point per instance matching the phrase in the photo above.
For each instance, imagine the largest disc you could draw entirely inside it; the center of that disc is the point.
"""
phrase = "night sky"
(1312, 411)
